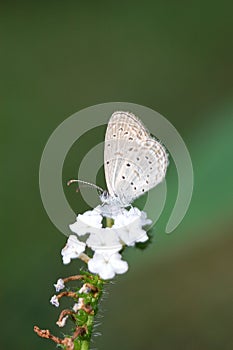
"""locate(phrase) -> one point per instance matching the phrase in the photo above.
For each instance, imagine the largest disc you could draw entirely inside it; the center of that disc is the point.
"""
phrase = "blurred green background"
(175, 57)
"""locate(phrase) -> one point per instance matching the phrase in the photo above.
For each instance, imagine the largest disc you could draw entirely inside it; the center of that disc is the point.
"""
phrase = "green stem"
(109, 222)
(83, 317)
(85, 345)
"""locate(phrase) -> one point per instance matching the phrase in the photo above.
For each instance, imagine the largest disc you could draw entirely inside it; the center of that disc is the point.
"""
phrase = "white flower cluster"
(127, 229)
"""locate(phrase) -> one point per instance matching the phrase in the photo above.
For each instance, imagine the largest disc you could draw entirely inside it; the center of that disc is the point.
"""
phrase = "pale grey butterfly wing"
(134, 162)
(123, 135)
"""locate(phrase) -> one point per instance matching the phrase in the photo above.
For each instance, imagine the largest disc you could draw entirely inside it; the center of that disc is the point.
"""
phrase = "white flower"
(107, 264)
(133, 216)
(72, 250)
(59, 285)
(106, 239)
(130, 237)
(79, 305)
(54, 301)
(87, 222)
(106, 242)
(62, 322)
(129, 226)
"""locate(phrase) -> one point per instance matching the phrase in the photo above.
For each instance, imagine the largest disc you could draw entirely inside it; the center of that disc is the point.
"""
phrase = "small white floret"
(62, 322)
(59, 285)
(84, 289)
(106, 239)
(88, 222)
(128, 225)
(54, 301)
(107, 264)
(79, 305)
(73, 249)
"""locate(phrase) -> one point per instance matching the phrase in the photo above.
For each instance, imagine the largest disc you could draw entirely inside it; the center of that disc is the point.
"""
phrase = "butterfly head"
(108, 199)
(104, 196)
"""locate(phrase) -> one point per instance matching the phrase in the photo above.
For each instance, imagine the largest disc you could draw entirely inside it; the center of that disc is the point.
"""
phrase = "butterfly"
(134, 161)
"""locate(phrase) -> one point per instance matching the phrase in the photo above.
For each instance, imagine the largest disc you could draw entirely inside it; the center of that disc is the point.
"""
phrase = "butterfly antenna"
(86, 183)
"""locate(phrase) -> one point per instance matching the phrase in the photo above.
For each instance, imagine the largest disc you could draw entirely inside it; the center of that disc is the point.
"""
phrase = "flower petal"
(59, 285)
(105, 239)
(72, 249)
(118, 265)
(54, 301)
